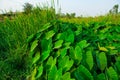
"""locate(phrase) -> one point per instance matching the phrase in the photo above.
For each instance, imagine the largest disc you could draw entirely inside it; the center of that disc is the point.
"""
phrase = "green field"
(43, 45)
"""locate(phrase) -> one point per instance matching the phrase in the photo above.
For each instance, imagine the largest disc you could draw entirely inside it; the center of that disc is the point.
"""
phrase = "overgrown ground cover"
(41, 46)
(71, 51)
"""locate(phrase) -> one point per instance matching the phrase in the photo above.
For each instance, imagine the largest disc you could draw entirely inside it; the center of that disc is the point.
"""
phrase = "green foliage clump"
(61, 50)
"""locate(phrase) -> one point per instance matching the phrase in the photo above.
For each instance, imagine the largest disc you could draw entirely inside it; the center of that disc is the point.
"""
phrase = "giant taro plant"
(66, 51)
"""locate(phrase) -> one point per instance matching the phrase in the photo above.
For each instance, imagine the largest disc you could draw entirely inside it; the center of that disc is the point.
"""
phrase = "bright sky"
(80, 7)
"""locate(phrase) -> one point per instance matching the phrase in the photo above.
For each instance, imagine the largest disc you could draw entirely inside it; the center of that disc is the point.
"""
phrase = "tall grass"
(14, 61)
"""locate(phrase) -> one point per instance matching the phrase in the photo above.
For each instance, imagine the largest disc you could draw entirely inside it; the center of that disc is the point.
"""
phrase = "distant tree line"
(114, 10)
(28, 8)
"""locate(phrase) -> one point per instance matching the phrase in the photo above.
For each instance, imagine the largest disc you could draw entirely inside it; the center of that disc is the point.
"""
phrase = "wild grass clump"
(14, 60)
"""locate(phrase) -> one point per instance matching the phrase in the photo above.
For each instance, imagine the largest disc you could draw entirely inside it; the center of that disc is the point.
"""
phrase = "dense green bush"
(61, 51)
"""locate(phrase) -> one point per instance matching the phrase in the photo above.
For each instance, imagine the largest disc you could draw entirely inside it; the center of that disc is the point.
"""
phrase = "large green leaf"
(79, 30)
(76, 54)
(50, 34)
(96, 26)
(83, 44)
(46, 44)
(44, 55)
(112, 74)
(66, 76)
(33, 74)
(46, 26)
(39, 72)
(113, 52)
(63, 52)
(102, 48)
(55, 74)
(67, 45)
(118, 58)
(52, 74)
(101, 77)
(50, 63)
(105, 29)
(58, 36)
(63, 35)
(117, 64)
(36, 58)
(59, 74)
(82, 73)
(102, 61)
(117, 29)
(102, 36)
(89, 59)
(58, 44)
(34, 45)
(30, 38)
(38, 35)
(65, 63)
(70, 38)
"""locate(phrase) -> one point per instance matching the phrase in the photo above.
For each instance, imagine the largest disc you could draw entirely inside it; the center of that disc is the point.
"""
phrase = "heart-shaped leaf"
(34, 45)
(89, 59)
(50, 34)
(82, 73)
(39, 72)
(76, 54)
(112, 74)
(65, 63)
(58, 44)
(36, 58)
(102, 61)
